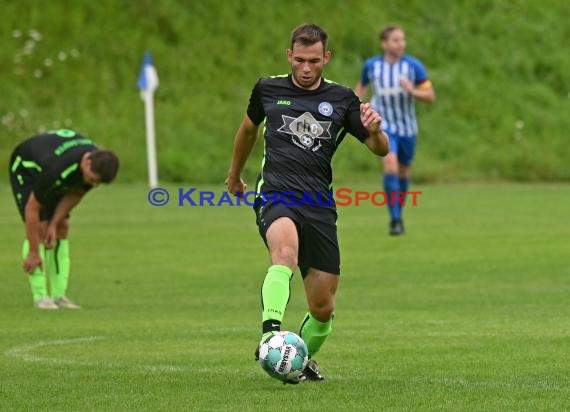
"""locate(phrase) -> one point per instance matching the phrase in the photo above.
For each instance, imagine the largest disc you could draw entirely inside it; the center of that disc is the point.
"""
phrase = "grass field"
(468, 311)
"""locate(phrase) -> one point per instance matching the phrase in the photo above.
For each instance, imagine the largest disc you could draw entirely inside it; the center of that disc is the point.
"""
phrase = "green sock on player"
(274, 297)
(57, 263)
(314, 333)
(37, 279)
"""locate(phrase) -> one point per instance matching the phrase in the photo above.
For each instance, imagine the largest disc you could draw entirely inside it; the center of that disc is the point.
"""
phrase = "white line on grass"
(25, 353)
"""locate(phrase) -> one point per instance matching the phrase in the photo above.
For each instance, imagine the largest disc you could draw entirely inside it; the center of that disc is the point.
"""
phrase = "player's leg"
(406, 152)
(58, 264)
(278, 229)
(319, 261)
(392, 183)
(320, 290)
(283, 243)
(280, 234)
(20, 181)
(404, 173)
(37, 279)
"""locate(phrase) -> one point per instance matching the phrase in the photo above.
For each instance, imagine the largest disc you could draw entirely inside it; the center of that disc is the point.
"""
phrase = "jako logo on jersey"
(284, 102)
(306, 131)
(325, 108)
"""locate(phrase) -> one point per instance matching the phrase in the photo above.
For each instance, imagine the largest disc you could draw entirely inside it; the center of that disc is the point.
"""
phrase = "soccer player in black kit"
(50, 174)
(306, 117)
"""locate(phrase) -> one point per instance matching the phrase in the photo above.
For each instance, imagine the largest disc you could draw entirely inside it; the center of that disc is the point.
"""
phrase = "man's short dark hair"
(387, 30)
(308, 34)
(105, 164)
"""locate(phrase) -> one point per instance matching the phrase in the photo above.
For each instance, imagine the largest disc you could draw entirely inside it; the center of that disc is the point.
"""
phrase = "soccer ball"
(283, 355)
(306, 140)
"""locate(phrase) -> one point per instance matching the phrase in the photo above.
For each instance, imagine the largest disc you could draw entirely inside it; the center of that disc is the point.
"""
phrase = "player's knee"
(285, 255)
(322, 309)
(63, 229)
(391, 163)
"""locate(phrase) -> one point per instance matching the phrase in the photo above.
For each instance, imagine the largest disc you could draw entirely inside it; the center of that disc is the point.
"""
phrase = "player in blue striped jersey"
(397, 80)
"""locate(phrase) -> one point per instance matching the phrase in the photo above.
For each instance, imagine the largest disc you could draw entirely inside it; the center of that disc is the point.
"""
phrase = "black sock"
(271, 325)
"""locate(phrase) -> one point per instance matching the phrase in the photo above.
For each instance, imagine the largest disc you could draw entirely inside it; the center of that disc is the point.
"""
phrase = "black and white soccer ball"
(283, 355)
(307, 140)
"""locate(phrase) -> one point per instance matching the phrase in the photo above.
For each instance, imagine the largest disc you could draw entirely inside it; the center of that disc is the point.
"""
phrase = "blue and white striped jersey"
(394, 104)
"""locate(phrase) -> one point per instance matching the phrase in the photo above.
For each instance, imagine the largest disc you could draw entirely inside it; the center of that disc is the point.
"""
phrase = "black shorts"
(316, 228)
(22, 181)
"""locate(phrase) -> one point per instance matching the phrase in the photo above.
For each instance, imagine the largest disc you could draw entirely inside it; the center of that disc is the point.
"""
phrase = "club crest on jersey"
(325, 108)
(306, 131)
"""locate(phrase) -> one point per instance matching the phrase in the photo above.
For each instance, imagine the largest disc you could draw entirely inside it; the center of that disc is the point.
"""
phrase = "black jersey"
(303, 129)
(51, 163)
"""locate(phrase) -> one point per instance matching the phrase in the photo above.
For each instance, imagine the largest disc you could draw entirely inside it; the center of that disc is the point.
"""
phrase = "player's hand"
(235, 185)
(406, 84)
(370, 118)
(51, 237)
(32, 261)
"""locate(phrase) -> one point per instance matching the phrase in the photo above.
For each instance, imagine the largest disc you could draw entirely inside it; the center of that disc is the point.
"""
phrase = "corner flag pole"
(148, 82)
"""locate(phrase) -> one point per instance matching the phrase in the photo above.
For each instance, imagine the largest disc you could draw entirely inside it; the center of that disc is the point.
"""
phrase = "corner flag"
(148, 83)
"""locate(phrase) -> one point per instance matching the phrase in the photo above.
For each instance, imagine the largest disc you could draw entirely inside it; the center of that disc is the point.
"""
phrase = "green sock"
(57, 260)
(37, 278)
(275, 296)
(314, 333)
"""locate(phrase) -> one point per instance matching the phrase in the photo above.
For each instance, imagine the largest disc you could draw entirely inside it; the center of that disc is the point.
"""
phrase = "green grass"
(468, 311)
(499, 68)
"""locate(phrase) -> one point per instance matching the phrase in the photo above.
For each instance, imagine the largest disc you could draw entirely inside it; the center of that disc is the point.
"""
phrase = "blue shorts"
(403, 146)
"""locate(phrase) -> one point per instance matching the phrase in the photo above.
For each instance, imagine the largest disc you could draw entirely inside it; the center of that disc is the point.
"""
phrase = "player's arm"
(377, 141)
(32, 215)
(421, 89)
(424, 91)
(65, 205)
(243, 145)
(360, 90)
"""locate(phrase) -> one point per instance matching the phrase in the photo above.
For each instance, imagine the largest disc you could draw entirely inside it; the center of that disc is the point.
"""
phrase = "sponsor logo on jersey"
(306, 131)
